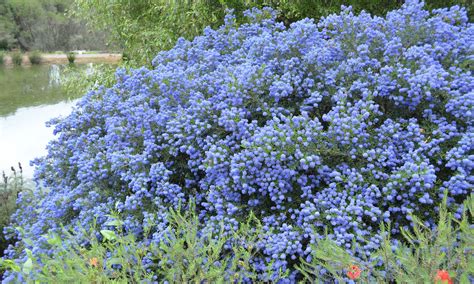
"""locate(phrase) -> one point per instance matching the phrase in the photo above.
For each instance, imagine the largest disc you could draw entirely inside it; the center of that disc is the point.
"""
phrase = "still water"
(28, 98)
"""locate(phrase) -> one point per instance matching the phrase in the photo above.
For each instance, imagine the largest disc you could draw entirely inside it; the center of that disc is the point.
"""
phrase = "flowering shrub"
(334, 126)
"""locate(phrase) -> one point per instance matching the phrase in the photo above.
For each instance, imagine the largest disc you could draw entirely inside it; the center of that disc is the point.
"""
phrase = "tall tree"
(7, 26)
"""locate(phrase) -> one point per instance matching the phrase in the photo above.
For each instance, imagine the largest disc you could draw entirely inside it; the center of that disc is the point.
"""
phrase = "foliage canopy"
(148, 26)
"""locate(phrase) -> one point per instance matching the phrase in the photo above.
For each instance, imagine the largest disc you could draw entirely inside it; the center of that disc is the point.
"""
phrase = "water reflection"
(28, 98)
(54, 76)
(25, 87)
(23, 136)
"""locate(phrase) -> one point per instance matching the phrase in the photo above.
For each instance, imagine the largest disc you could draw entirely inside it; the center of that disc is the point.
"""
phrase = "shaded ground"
(80, 58)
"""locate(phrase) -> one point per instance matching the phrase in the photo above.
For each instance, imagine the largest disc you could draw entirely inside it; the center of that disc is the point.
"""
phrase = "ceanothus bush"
(337, 125)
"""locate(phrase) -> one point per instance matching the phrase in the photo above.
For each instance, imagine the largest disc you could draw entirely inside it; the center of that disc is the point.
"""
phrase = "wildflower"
(354, 272)
(94, 262)
(443, 276)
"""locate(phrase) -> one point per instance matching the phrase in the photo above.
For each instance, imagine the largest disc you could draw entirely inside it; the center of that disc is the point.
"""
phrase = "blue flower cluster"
(336, 126)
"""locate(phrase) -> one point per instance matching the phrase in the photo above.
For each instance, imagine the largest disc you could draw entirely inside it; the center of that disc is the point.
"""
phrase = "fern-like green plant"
(194, 258)
(417, 258)
(183, 255)
(329, 262)
(425, 251)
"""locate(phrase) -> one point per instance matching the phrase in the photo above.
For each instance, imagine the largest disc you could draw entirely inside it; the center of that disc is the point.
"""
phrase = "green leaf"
(10, 264)
(115, 260)
(28, 266)
(54, 241)
(115, 223)
(29, 253)
(108, 235)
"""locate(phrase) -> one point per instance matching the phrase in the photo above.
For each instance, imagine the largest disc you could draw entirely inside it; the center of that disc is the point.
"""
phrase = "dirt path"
(80, 58)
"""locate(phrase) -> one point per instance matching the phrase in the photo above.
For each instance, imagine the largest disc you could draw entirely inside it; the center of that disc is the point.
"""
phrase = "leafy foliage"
(44, 25)
(35, 57)
(7, 27)
(75, 80)
(146, 27)
(10, 187)
(425, 251)
(414, 259)
(17, 58)
(183, 256)
(149, 26)
(71, 57)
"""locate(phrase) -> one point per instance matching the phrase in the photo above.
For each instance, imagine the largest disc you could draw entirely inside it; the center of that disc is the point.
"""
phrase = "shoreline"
(62, 59)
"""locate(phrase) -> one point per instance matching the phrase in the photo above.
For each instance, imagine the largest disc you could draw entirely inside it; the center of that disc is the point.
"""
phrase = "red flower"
(354, 272)
(94, 262)
(443, 276)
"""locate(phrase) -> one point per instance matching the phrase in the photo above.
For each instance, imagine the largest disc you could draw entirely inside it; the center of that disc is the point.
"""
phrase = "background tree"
(45, 25)
(145, 27)
(7, 26)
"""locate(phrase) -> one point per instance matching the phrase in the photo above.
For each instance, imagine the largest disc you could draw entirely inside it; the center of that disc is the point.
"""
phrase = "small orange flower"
(443, 276)
(354, 272)
(94, 262)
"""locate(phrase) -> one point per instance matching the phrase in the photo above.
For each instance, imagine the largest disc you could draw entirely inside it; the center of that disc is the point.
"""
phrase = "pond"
(29, 96)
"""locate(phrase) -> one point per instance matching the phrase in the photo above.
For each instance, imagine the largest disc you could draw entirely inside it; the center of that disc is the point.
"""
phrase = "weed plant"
(35, 57)
(17, 58)
(10, 186)
(71, 57)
